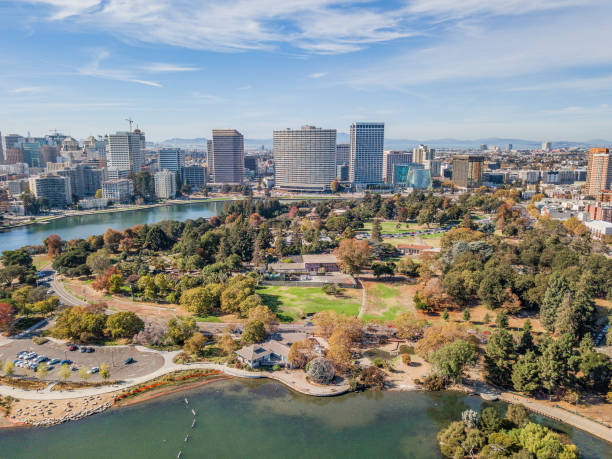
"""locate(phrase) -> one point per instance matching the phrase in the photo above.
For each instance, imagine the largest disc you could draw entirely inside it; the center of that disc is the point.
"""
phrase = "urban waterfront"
(86, 225)
(264, 419)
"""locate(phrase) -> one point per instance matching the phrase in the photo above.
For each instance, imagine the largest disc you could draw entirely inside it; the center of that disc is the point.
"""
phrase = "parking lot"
(114, 356)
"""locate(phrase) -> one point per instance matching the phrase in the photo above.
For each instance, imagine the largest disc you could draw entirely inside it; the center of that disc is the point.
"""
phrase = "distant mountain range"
(399, 144)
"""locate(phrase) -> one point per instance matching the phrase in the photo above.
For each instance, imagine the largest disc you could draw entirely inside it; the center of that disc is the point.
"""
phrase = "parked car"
(90, 350)
(129, 360)
(72, 348)
(65, 362)
(53, 361)
(93, 370)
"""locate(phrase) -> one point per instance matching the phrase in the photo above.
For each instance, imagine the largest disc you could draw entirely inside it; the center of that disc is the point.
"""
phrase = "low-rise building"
(120, 190)
(599, 229)
(273, 351)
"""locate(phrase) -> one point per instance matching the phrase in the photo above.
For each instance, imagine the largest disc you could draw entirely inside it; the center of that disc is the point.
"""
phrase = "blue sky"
(536, 69)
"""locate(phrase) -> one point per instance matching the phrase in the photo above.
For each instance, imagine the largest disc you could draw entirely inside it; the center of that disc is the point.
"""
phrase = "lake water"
(262, 419)
(86, 225)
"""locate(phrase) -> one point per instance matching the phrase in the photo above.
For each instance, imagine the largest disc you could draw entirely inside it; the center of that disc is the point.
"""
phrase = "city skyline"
(518, 69)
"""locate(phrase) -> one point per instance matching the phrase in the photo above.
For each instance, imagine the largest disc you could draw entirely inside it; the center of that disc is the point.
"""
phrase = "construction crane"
(131, 121)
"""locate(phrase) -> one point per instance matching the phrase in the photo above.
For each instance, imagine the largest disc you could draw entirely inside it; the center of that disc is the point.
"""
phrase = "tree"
(300, 353)
(99, 261)
(339, 352)
(407, 267)
(54, 244)
(490, 420)
(486, 319)
(181, 329)
(526, 373)
(195, 345)
(376, 231)
(451, 439)
(265, 315)
(518, 415)
(512, 303)
(499, 357)
(445, 314)
(408, 326)
(596, 369)
(470, 418)
(451, 360)
(202, 301)
(115, 283)
(556, 363)
(123, 324)
(254, 332)
(525, 339)
(555, 293)
(65, 372)
(105, 371)
(543, 443)
(84, 373)
(6, 316)
(98, 194)
(42, 371)
(9, 368)
(353, 254)
(383, 269)
(334, 186)
(226, 342)
(501, 320)
(466, 315)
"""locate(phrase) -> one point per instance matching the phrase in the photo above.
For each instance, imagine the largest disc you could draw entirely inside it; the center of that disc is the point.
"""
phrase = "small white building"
(165, 184)
(117, 190)
(599, 228)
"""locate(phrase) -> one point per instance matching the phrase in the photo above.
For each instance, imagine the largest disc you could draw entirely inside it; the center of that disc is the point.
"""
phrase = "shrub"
(276, 367)
(373, 377)
(434, 382)
(405, 349)
(406, 359)
(39, 340)
(320, 370)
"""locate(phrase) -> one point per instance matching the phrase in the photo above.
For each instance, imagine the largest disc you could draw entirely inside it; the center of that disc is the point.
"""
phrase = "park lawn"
(386, 300)
(40, 261)
(293, 303)
(427, 239)
(391, 227)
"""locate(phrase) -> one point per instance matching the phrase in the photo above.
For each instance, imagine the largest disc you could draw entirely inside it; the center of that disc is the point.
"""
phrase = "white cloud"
(463, 8)
(162, 67)
(319, 26)
(317, 75)
(206, 98)
(496, 52)
(584, 84)
(93, 69)
(244, 88)
(27, 90)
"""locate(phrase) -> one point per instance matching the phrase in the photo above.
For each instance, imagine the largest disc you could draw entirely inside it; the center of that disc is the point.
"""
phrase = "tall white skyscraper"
(367, 142)
(305, 159)
(422, 153)
(125, 151)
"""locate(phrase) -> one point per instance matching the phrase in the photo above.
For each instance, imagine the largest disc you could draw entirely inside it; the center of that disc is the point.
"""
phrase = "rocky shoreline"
(40, 414)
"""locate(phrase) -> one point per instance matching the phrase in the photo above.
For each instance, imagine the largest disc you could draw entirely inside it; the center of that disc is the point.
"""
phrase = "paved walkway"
(591, 427)
(168, 367)
(364, 299)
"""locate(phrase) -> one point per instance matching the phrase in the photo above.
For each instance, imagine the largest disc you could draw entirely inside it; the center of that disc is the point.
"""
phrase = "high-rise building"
(390, 159)
(402, 171)
(124, 151)
(226, 160)
(509, 148)
(194, 176)
(422, 153)
(165, 184)
(367, 143)
(47, 154)
(546, 146)
(14, 156)
(599, 171)
(343, 154)
(31, 152)
(434, 166)
(467, 171)
(305, 159)
(11, 141)
(53, 188)
(484, 147)
(171, 159)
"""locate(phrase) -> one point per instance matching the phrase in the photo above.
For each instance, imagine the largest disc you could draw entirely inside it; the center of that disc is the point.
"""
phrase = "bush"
(406, 359)
(405, 349)
(39, 340)
(434, 382)
(276, 367)
(373, 377)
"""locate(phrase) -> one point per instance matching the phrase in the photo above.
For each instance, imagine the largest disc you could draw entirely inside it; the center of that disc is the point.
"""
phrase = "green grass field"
(391, 227)
(292, 303)
(383, 300)
(430, 239)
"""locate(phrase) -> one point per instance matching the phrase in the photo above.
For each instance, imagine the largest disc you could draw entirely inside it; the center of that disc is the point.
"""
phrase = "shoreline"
(578, 422)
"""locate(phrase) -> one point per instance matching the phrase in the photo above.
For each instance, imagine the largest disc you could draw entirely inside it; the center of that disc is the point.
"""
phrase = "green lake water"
(86, 225)
(262, 419)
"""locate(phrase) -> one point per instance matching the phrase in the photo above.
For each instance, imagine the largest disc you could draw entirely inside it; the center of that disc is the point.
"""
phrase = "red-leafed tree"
(54, 244)
(6, 316)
